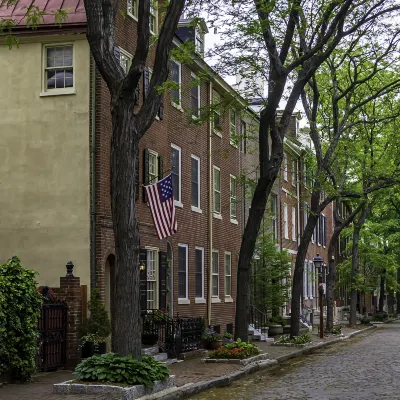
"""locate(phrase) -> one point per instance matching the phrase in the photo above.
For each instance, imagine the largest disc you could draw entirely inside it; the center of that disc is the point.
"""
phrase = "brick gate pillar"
(70, 286)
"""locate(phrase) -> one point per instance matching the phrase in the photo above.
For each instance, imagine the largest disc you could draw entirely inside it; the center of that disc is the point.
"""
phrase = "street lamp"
(318, 263)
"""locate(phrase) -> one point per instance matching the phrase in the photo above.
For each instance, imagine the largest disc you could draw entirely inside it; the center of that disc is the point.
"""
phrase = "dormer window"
(199, 41)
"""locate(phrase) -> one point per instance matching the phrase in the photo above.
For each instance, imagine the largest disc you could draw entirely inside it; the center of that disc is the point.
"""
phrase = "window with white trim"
(313, 279)
(285, 167)
(59, 69)
(285, 221)
(176, 166)
(243, 137)
(216, 113)
(195, 97)
(153, 167)
(228, 274)
(294, 172)
(176, 77)
(182, 271)
(199, 41)
(217, 190)
(232, 128)
(152, 279)
(305, 294)
(294, 234)
(274, 215)
(153, 21)
(199, 272)
(233, 197)
(215, 273)
(195, 182)
(132, 8)
(125, 60)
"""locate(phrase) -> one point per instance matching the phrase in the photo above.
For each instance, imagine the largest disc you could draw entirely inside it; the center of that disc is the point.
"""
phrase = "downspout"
(210, 214)
(93, 168)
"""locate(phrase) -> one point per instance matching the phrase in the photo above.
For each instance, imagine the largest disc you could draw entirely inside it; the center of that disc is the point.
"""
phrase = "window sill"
(177, 106)
(233, 144)
(234, 221)
(157, 118)
(217, 216)
(132, 16)
(196, 118)
(197, 209)
(178, 204)
(215, 300)
(183, 301)
(228, 299)
(217, 132)
(199, 300)
(56, 92)
(286, 238)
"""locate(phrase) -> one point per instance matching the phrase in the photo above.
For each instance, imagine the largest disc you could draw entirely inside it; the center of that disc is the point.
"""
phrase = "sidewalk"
(188, 371)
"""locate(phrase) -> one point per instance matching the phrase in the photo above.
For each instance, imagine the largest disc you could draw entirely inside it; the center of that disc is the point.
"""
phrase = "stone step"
(150, 350)
(160, 356)
(169, 361)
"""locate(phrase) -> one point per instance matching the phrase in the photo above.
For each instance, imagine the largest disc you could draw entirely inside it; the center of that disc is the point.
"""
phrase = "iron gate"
(52, 325)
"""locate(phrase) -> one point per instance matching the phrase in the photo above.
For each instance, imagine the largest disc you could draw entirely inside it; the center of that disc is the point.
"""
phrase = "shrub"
(336, 330)
(111, 368)
(380, 316)
(365, 320)
(210, 335)
(20, 305)
(277, 320)
(302, 339)
(228, 335)
(236, 350)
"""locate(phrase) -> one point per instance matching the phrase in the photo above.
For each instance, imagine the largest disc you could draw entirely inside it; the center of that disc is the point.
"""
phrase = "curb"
(198, 387)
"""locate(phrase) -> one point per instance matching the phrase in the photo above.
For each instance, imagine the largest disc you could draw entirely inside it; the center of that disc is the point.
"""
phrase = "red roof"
(76, 11)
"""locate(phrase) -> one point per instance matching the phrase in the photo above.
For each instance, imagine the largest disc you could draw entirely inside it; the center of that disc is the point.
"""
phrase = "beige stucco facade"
(45, 162)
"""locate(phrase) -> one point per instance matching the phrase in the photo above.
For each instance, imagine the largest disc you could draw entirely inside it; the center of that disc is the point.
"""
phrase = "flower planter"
(150, 339)
(89, 349)
(275, 330)
(215, 344)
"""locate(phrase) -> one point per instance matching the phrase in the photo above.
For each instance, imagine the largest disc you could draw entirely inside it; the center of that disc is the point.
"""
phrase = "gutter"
(93, 191)
(210, 215)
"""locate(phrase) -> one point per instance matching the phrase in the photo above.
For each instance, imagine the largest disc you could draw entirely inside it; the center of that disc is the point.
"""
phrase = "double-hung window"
(195, 97)
(217, 190)
(153, 17)
(233, 198)
(182, 271)
(232, 128)
(152, 281)
(195, 183)
(176, 77)
(228, 274)
(215, 274)
(153, 167)
(125, 60)
(199, 273)
(274, 215)
(199, 41)
(132, 8)
(243, 137)
(176, 168)
(216, 113)
(285, 221)
(294, 234)
(59, 69)
(285, 167)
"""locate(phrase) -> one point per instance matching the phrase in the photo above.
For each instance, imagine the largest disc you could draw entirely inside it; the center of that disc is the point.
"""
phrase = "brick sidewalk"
(189, 371)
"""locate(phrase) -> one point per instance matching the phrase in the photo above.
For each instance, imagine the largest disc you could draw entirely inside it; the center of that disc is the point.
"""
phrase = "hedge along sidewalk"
(189, 389)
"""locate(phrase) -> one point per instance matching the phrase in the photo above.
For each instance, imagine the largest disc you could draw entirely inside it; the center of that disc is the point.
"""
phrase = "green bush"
(111, 368)
(236, 350)
(20, 305)
(336, 330)
(380, 316)
(365, 320)
(302, 339)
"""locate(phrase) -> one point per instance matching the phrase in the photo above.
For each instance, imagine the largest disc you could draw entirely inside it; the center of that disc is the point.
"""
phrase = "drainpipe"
(210, 215)
(93, 193)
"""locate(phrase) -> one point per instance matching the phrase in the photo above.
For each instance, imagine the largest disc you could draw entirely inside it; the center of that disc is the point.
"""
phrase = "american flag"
(161, 201)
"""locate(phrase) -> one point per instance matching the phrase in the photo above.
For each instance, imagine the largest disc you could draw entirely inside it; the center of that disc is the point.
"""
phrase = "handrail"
(258, 319)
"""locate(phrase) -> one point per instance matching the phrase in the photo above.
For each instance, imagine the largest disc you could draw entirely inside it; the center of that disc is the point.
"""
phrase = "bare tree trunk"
(126, 232)
(382, 292)
(330, 281)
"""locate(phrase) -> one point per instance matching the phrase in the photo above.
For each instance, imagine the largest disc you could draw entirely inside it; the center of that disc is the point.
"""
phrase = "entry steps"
(154, 351)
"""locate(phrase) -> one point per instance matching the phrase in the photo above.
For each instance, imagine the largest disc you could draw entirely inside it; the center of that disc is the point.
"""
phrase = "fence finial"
(70, 267)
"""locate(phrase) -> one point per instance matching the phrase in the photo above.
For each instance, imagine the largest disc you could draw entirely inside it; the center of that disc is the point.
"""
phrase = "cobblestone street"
(367, 367)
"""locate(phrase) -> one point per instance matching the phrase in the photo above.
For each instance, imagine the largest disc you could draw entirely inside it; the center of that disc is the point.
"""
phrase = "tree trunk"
(382, 293)
(330, 284)
(299, 266)
(398, 294)
(127, 321)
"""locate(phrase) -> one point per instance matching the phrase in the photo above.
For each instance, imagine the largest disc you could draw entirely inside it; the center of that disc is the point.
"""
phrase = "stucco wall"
(44, 164)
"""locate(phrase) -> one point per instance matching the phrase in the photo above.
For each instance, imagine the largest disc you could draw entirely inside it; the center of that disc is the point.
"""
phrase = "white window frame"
(178, 202)
(232, 128)
(199, 34)
(154, 8)
(184, 300)
(285, 167)
(217, 214)
(178, 105)
(305, 293)
(274, 216)
(216, 110)
(232, 200)
(133, 5)
(285, 221)
(198, 207)
(228, 253)
(294, 172)
(310, 281)
(157, 280)
(213, 296)
(194, 116)
(201, 299)
(61, 91)
(318, 232)
(294, 233)
(156, 177)
(128, 56)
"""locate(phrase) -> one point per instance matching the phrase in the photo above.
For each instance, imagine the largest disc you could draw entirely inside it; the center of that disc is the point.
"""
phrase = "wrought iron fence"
(258, 319)
(173, 335)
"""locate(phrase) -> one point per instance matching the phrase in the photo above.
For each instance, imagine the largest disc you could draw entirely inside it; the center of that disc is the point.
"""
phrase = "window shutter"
(161, 109)
(160, 167)
(137, 94)
(143, 280)
(146, 81)
(137, 180)
(117, 53)
(163, 266)
(145, 172)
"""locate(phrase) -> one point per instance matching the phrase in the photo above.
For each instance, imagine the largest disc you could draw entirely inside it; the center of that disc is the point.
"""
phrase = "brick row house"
(55, 202)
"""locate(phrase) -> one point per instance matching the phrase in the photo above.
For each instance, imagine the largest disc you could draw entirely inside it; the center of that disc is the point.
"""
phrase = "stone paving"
(365, 367)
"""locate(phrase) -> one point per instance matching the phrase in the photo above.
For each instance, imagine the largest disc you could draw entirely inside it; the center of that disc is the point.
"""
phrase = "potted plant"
(97, 329)
(276, 326)
(227, 338)
(212, 339)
